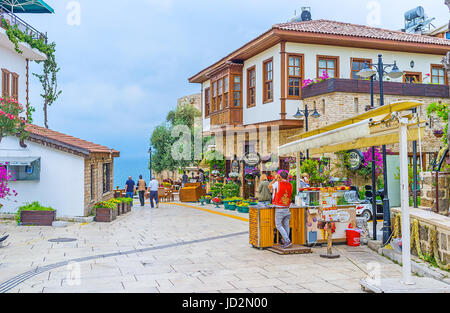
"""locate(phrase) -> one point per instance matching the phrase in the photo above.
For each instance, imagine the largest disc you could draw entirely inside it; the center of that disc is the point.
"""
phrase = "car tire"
(367, 215)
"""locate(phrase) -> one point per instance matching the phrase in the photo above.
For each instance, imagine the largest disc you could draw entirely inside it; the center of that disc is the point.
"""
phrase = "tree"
(49, 81)
(163, 139)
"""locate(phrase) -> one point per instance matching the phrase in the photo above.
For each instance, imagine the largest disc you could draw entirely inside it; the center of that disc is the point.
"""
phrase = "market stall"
(389, 124)
(192, 192)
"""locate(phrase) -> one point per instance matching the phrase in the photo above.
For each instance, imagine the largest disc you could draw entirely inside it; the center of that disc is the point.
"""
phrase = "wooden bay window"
(438, 74)
(412, 77)
(295, 75)
(268, 80)
(237, 90)
(251, 87)
(357, 65)
(207, 102)
(328, 64)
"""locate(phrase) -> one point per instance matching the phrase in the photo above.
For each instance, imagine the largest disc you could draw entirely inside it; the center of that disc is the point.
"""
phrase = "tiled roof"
(346, 29)
(66, 141)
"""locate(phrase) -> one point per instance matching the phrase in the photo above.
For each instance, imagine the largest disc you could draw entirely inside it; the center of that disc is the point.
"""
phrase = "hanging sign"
(355, 159)
(252, 159)
(235, 166)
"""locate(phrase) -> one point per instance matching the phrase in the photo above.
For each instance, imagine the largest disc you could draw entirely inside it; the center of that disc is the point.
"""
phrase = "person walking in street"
(264, 195)
(282, 201)
(184, 179)
(129, 188)
(153, 188)
(142, 187)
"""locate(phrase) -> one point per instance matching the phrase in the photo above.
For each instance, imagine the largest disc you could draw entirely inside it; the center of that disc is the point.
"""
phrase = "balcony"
(363, 86)
(23, 26)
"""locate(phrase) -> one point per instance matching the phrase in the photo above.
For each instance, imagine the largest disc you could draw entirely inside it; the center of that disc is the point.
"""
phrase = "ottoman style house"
(258, 87)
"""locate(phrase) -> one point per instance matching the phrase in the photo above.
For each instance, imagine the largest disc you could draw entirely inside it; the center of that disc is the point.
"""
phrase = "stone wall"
(428, 192)
(428, 220)
(97, 162)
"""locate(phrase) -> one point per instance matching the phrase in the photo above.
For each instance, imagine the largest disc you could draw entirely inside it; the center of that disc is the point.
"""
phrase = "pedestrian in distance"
(282, 201)
(264, 194)
(142, 187)
(184, 179)
(130, 188)
(153, 189)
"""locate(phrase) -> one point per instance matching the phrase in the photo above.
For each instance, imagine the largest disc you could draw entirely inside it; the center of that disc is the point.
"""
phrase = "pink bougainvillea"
(10, 121)
(378, 160)
(5, 178)
(308, 82)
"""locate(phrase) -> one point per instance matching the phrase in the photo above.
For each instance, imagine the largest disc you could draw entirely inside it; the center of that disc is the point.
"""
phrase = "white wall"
(268, 111)
(206, 121)
(61, 185)
(15, 63)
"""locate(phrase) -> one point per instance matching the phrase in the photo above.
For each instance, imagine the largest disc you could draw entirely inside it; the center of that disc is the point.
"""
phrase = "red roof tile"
(37, 132)
(347, 29)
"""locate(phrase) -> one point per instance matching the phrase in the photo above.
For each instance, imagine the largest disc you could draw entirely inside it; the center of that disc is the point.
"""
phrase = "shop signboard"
(355, 159)
(252, 159)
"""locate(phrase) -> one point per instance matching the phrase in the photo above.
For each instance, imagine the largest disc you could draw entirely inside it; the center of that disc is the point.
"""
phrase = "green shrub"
(35, 206)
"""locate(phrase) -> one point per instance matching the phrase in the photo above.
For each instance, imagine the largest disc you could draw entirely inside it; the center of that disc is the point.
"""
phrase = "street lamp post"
(150, 163)
(306, 113)
(368, 72)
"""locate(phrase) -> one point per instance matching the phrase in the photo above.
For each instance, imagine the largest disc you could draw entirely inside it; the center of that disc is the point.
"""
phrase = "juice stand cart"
(312, 199)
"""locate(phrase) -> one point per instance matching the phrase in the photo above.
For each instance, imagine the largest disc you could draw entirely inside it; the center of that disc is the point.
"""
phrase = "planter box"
(104, 215)
(118, 209)
(38, 218)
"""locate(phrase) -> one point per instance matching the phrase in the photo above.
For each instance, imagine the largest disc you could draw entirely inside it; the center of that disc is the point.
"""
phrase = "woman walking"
(264, 195)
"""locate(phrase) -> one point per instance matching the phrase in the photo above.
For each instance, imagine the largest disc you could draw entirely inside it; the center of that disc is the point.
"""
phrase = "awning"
(27, 6)
(336, 136)
(18, 161)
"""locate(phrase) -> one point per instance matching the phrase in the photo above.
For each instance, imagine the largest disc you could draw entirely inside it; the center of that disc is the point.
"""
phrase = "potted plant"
(208, 199)
(217, 201)
(202, 200)
(35, 214)
(438, 133)
(105, 212)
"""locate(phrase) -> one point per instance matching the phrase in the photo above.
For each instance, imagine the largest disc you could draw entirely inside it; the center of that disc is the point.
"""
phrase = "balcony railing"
(363, 86)
(23, 26)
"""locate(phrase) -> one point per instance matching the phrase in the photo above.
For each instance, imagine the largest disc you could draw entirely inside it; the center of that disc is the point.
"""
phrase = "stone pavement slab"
(157, 250)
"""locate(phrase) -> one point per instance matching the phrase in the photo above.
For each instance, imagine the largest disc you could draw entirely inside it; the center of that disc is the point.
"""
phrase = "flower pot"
(105, 215)
(37, 218)
(232, 207)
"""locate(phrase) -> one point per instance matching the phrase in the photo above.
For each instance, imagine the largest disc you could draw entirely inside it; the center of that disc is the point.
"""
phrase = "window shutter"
(15, 86)
(5, 83)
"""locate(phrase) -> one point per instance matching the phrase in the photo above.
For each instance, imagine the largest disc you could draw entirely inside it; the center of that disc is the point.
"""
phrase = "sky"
(124, 64)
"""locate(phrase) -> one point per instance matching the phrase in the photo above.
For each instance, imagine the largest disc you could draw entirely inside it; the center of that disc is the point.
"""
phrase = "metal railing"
(23, 26)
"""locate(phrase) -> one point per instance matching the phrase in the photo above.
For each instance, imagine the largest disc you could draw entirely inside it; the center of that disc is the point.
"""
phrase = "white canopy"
(333, 137)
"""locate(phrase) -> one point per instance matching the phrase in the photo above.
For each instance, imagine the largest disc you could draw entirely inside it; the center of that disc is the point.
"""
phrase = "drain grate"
(63, 240)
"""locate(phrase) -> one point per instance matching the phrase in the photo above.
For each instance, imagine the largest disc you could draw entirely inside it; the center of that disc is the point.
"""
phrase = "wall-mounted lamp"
(412, 64)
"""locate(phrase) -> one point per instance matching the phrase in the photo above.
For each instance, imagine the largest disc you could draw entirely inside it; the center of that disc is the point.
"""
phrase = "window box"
(37, 218)
(105, 215)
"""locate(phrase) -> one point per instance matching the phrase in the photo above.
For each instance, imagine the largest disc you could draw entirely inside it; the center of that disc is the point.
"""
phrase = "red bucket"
(353, 237)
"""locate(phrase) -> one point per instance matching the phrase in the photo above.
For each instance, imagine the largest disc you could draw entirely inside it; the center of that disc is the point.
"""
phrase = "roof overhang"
(374, 128)
(275, 36)
(27, 52)
(18, 161)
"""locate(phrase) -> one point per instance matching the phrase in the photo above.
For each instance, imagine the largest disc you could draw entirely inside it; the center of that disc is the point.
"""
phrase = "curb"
(417, 265)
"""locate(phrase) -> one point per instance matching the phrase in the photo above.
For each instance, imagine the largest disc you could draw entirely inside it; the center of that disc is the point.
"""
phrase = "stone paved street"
(181, 249)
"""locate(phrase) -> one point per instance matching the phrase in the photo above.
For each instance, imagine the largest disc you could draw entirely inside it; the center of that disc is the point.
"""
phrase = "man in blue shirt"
(129, 188)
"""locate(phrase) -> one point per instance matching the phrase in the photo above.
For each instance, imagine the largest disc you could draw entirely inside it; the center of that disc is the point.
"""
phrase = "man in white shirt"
(153, 188)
